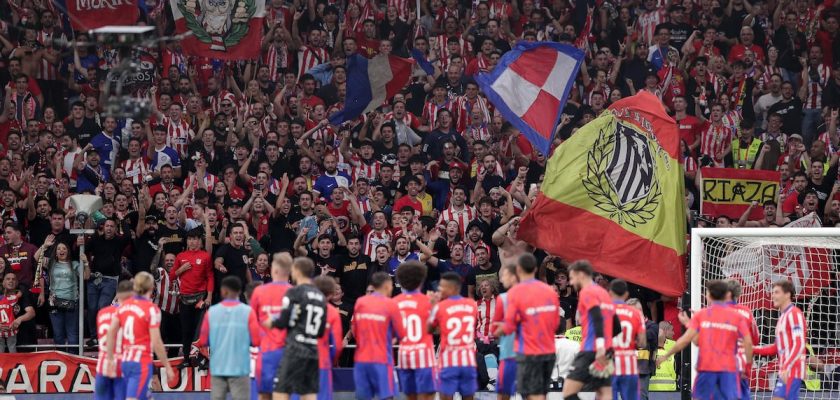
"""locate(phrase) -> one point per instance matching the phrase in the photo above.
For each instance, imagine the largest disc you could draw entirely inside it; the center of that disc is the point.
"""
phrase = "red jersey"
(417, 349)
(376, 319)
(719, 328)
(533, 310)
(590, 297)
(455, 317)
(745, 365)
(334, 337)
(197, 279)
(632, 322)
(137, 315)
(689, 127)
(7, 314)
(790, 343)
(103, 326)
(267, 302)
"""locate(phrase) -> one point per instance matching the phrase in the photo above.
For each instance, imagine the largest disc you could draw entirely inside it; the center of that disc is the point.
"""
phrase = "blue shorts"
(269, 362)
(137, 377)
(325, 384)
(506, 380)
(716, 385)
(787, 390)
(744, 389)
(108, 388)
(461, 380)
(373, 380)
(626, 386)
(417, 381)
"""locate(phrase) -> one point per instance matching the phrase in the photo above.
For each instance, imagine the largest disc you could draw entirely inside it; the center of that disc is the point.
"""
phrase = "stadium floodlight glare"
(757, 257)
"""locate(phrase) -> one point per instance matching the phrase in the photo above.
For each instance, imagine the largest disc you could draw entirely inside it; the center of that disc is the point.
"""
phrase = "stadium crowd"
(238, 161)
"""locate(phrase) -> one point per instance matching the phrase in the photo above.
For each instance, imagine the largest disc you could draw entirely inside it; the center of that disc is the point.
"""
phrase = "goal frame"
(696, 258)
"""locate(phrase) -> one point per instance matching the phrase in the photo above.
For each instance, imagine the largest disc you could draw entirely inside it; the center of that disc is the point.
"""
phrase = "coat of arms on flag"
(220, 29)
(529, 86)
(613, 194)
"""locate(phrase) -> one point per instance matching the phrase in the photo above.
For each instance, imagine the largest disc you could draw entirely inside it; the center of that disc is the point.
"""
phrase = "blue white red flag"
(422, 62)
(530, 86)
(370, 82)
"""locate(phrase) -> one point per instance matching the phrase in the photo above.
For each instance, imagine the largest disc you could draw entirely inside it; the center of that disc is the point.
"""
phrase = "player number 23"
(461, 331)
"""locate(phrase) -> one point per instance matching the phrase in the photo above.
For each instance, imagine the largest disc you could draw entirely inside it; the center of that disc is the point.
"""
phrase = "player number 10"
(413, 328)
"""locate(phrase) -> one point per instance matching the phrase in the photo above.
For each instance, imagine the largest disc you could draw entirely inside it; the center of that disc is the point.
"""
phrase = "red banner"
(91, 14)
(730, 191)
(58, 372)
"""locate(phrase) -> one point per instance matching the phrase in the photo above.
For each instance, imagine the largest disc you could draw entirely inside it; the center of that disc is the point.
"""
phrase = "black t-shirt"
(26, 332)
(84, 133)
(478, 274)
(281, 235)
(328, 266)
(304, 317)
(235, 261)
(177, 239)
(345, 311)
(791, 113)
(679, 34)
(39, 228)
(355, 274)
(145, 248)
(106, 254)
(569, 304)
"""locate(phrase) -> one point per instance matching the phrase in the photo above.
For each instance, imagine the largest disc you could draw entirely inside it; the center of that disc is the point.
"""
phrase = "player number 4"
(128, 329)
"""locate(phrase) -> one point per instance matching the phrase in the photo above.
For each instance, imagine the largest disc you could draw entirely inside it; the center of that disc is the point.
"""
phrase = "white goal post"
(759, 256)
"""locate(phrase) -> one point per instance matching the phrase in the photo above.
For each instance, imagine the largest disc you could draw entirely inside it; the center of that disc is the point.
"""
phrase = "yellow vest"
(744, 158)
(665, 378)
(574, 333)
(812, 380)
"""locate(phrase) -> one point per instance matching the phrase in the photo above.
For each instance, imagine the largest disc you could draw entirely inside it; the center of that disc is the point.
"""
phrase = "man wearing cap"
(412, 187)
(794, 155)
(442, 189)
(90, 173)
(194, 269)
(680, 30)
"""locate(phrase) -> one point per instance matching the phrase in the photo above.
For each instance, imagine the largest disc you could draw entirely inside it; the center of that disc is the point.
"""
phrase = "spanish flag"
(613, 194)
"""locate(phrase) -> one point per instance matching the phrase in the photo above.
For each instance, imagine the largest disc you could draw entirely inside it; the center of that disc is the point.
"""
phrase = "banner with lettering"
(59, 372)
(91, 14)
(730, 191)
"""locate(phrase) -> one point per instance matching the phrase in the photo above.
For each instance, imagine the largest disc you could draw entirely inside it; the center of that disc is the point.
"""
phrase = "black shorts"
(579, 371)
(297, 375)
(533, 374)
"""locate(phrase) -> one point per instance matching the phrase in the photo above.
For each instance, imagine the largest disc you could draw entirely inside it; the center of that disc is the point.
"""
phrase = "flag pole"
(418, 12)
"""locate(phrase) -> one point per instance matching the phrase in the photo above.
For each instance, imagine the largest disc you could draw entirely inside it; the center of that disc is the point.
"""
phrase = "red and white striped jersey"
(462, 217)
(455, 316)
(138, 315)
(136, 170)
(486, 315)
(632, 322)
(815, 87)
(276, 58)
(364, 204)
(790, 343)
(430, 110)
(308, 57)
(417, 350)
(714, 138)
(439, 44)
(445, 12)
(647, 22)
(374, 238)
(216, 100)
(47, 70)
(362, 169)
(166, 292)
(500, 10)
(743, 364)
(469, 252)
(480, 132)
(401, 6)
(178, 135)
(464, 107)
(171, 58)
(210, 181)
(103, 326)
(689, 164)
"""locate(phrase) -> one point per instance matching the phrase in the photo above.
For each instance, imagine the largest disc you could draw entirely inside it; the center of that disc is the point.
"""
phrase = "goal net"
(757, 257)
